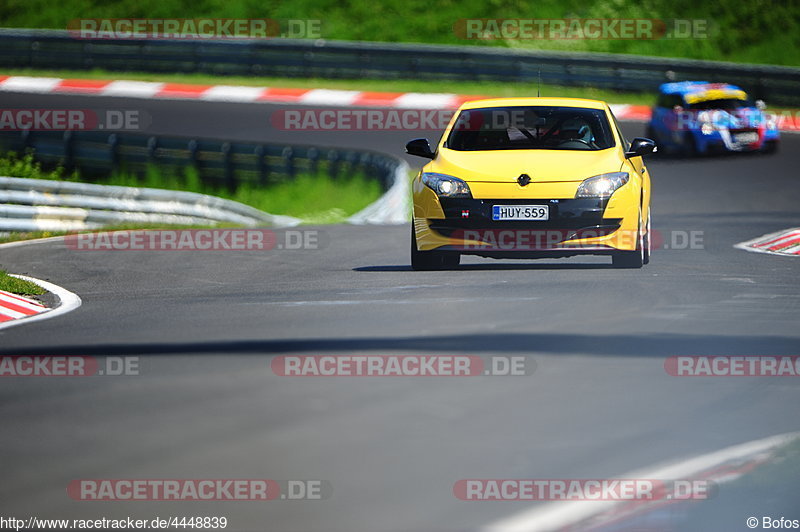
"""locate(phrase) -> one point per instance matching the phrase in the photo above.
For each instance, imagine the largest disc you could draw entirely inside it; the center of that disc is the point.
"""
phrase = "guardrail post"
(25, 136)
(113, 152)
(333, 163)
(227, 161)
(69, 164)
(262, 168)
(351, 158)
(313, 160)
(194, 163)
(152, 146)
(288, 161)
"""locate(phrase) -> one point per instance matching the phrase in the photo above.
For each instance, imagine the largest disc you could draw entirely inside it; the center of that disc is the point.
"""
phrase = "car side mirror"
(760, 105)
(641, 146)
(420, 148)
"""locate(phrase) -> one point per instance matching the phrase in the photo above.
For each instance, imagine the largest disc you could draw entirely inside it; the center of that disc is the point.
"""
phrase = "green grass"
(477, 88)
(761, 31)
(18, 286)
(313, 198)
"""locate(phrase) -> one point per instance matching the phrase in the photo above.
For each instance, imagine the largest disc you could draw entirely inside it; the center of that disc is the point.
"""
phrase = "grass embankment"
(18, 286)
(766, 31)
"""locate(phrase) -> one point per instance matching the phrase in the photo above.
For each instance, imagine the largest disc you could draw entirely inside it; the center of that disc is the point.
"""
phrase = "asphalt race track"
(206, 325)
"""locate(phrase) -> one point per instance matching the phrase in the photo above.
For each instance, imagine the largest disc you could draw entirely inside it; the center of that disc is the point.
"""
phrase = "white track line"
(20, 243)
(67, 302)
(555, 516)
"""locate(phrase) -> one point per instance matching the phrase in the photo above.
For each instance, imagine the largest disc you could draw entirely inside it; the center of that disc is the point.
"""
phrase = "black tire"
(648, 242)
(650, 133)
(689, 148)
(431, 260)
(769, 147)
(632, 259)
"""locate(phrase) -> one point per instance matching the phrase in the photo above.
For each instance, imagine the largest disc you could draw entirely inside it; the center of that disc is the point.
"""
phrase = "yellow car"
(531, 178)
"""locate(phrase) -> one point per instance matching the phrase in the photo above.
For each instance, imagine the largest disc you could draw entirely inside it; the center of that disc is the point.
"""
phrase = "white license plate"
(520, 212)
(745, 138)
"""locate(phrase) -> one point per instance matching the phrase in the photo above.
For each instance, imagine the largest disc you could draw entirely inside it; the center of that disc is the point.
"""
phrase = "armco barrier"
(217, 162)
(357, 60)
(32, 204)
(44, 205)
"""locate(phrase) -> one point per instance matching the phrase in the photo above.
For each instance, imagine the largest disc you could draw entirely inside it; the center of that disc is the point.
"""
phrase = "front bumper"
(574, 226)
(724, 140)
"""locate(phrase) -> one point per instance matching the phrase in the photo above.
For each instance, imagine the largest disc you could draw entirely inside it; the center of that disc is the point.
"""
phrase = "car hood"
(502, 166)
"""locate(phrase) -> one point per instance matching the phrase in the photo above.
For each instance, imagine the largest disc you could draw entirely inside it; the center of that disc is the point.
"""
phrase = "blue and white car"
(696, 117)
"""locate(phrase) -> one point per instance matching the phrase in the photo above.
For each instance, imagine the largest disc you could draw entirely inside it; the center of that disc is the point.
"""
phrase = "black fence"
(47, 49)
(217, 163)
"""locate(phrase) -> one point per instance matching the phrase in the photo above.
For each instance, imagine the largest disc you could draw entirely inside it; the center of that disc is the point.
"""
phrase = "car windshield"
(530, 128)
(726, 104)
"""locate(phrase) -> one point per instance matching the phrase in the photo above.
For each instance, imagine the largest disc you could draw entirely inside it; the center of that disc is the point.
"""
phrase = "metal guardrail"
(357, 60)
(46, 205)
(217, 163)
(27, 205)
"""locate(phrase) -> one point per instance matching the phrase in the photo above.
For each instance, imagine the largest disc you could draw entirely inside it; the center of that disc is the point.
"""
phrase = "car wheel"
(648, 242)
(650, 133)
(635, 258)
(769, 147)
(431, 260)
(689, 145)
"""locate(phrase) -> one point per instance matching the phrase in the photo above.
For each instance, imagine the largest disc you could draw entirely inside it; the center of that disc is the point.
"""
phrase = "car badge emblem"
(523, 179)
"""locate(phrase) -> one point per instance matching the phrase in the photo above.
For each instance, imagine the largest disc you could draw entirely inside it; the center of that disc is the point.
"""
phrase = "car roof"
(528, 102)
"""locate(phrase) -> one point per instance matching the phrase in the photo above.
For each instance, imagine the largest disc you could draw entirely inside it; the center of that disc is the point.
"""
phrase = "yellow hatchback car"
(531, 178)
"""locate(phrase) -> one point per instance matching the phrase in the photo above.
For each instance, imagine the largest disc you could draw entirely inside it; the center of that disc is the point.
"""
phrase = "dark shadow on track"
(498, 266)
(632, 345)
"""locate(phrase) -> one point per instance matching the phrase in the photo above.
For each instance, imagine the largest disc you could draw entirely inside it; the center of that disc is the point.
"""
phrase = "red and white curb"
(319, 97)
(16, 310)
(233, 93)
(14, 307)
(719, 466)
(786, 242)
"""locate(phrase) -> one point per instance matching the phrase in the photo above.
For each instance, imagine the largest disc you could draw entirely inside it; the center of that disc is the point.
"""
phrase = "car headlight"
(601, 186)
(446, 186)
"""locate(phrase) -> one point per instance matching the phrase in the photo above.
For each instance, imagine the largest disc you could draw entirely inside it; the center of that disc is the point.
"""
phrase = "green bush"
(759, 31)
